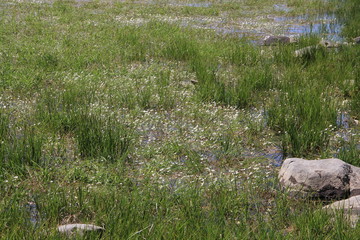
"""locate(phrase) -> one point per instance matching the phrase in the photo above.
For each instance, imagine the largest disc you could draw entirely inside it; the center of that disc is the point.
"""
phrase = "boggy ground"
(169, 119)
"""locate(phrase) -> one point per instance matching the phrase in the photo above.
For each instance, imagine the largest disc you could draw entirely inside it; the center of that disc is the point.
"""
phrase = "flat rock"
(273, 40)
(326, 178)
(78, 228)
(350, 208)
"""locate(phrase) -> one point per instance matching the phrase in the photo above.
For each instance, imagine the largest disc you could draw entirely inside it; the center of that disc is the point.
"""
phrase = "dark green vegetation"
(121, 115)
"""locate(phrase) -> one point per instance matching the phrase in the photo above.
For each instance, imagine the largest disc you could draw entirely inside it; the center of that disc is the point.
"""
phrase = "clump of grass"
(19, 147)
(57, 109)
(102, 138)
(97, 137)
(181, 48)
(303, 118)
(4, 124)
(350, 152)
(153, 92)
(4, 129)
(355, 94)
(241, 91)
(348, 13)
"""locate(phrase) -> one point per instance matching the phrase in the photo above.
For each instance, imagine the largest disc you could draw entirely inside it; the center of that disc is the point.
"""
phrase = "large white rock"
(350, 208)
(326, 178)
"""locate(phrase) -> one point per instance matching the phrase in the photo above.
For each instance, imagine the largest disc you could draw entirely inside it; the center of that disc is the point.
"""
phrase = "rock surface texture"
(350, 208)
(327, 178)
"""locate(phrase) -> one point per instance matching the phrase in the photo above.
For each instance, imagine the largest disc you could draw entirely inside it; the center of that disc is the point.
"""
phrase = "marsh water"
(280, 21)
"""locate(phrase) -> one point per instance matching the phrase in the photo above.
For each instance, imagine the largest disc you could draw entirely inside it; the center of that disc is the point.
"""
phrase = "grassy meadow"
(163, 120)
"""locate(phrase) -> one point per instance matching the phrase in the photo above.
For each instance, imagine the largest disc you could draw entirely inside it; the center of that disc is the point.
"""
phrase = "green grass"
(351, 24)
(142, 119)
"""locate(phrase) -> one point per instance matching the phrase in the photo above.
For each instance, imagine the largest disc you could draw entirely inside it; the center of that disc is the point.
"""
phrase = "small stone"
(294, 39)
(329, 44)
(356, 40)
(79, 229)
(193, 81)
(273, 40)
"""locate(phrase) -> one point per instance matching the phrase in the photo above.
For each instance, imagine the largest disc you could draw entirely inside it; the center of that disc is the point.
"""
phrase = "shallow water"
(254, 27)
(34, 213)
(343, 120)
(274, 155)
(327, 26)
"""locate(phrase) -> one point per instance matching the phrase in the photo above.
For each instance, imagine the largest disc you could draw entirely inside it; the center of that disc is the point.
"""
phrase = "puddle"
(343, 120)
(34, 213)
(275, 155)
(326, 25)
(327, 31)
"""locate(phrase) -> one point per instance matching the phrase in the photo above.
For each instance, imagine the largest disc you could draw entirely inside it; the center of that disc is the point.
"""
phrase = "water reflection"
(326, 25)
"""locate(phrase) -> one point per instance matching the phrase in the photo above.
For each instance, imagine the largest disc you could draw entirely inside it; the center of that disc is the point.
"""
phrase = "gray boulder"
(79, 229)
(327, 178)
(350, 208)
(273, 40)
